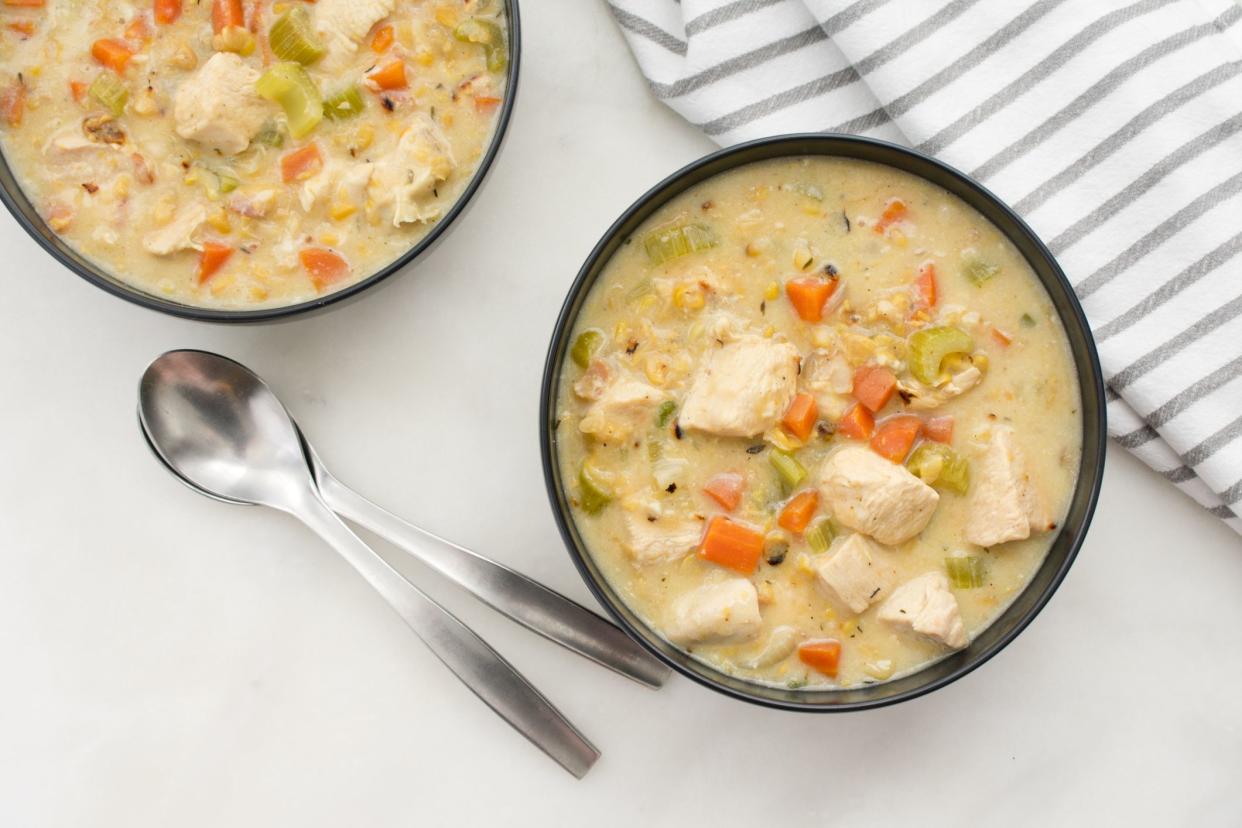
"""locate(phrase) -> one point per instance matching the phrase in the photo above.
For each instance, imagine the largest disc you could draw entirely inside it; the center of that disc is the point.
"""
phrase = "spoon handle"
(480, 668)
(526, 601)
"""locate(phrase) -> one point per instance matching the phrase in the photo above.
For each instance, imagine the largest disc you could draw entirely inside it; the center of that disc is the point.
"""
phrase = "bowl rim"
(1093, 411)
(15, 199)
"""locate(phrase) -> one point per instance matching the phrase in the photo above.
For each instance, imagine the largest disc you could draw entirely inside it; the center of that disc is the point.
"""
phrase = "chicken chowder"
(244, 153)
(818, 423)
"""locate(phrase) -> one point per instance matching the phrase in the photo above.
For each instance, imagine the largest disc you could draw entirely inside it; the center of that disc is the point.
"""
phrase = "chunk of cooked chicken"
(714, 613)
(621, 408)
(407, 179)
(340, 182)
(876, 497)
(178, 234)
(744, 388)
(923, 398)
(855, 573)
(661, 540)
(342, 24)
(829, 379)
(1004, 504)
(924, 605)
(218, 106)
(594, 380)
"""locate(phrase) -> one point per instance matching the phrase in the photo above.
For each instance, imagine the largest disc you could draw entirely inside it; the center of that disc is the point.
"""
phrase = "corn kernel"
(981, 361)
(689, 296)
(768, 332)
(656, 370)
(121, 188)
(848, 626)
(363, 136)
(881, 669)
(446, 16)
(802, 258)
(219, 220)
(424, 58)
(329, 240)
(341, 211)
(772, 291)
(258, 293)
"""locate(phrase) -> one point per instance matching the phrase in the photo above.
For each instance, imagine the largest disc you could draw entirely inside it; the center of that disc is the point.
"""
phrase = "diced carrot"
(874, 386)
(857, 424)
(485, 103)
(78, 90)
(23, 27)
(823, 655)
(25, 4)
(212, 259)
(138, 30)
(1002, 337)
(323, 266)
(13, 103)
(226, 13)
(390, 76)
(894, 211)
(798, 512)
(254, 15)
(799, 419)
(167, 11)
(382, 39)
(895, 437)
(808, 295)
(939, 429)
(925, 284)
(112, 53)
(731, 545)
(301, 164)
(726, 489)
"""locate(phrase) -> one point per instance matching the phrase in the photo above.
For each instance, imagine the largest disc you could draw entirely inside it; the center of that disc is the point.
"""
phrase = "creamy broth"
(252, 154)
(678, 328)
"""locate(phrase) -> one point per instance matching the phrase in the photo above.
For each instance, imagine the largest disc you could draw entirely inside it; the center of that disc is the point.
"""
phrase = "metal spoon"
(223, 432)
(511, 593)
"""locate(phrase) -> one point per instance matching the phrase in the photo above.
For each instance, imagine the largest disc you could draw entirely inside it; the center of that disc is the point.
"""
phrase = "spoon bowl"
(220, 430)
(218, 426)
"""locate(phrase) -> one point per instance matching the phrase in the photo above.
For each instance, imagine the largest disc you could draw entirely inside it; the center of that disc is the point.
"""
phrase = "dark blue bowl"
(1090, 379)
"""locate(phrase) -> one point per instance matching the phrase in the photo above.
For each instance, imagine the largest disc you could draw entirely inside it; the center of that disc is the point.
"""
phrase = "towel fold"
(1113, 127)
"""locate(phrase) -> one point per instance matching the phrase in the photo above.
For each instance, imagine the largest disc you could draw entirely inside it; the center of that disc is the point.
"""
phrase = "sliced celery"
(288, 85)
(293, 37)
(929, 347)
(108, 90)
(671, 242)
(270, 135)
(938, 465)
(488, 35)
(593, 492)
(819, 536)
(585, 346)
(667, 409)
(978, 271)
(965, 572)
(344, 103)
(787, 466)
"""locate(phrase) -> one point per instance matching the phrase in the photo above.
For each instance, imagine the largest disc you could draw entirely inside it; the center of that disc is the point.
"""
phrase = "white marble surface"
(171, 661)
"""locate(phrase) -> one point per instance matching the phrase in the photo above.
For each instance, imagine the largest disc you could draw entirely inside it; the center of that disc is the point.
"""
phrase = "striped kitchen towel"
(1113, 126)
